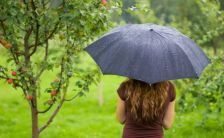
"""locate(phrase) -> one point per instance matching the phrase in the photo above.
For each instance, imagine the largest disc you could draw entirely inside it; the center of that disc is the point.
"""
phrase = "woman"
(145, 109)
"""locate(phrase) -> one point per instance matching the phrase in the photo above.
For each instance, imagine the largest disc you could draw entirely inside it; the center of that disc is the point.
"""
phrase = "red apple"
(3, 41)
(53, 92)
(8, 45)
(29, 97)
(10, 81)
(104, 2)
(14, 73)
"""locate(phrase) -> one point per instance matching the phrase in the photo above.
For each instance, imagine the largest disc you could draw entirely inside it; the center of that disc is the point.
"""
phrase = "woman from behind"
(144, 109)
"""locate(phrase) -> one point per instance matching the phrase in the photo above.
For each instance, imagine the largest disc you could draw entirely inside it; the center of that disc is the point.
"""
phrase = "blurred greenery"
(202, 20)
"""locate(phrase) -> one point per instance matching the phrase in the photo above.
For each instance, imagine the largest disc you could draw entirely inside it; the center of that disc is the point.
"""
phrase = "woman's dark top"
(154, 129)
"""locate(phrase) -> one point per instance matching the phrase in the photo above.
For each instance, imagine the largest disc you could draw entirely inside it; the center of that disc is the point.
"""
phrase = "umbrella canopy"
(148, 52)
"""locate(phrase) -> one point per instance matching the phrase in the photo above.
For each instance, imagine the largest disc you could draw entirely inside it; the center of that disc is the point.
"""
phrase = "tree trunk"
(35, 133)
(100, 93)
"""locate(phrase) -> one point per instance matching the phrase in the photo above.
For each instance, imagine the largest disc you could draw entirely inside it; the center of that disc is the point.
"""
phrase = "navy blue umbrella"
(148, 52)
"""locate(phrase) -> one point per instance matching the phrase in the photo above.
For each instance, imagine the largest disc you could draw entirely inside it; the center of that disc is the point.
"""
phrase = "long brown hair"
(147, 101)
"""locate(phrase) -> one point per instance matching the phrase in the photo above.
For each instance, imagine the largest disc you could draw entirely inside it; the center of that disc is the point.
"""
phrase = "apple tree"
(41, 35)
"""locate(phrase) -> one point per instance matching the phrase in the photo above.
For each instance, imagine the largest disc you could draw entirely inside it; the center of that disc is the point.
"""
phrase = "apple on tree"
(54, 93)
(10, 80)
(14, 73)
(29, 97)
(104, 2)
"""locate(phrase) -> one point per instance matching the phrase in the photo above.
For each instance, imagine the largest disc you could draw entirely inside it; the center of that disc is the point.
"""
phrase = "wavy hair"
(147, 101)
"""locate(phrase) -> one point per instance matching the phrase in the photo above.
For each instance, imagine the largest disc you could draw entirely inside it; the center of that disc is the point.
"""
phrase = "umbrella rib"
(164, 54)
(182, 51)
(194, 51)
(195, 55)
(182, 35)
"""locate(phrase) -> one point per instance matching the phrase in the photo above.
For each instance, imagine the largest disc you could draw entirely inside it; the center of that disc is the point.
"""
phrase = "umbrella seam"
(183, 52)
(164, 54)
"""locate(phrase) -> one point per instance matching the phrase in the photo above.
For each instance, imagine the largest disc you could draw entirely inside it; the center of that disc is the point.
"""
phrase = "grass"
(84, 118)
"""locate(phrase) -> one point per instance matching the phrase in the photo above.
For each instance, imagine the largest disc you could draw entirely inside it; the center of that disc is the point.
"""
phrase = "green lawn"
(84, 118)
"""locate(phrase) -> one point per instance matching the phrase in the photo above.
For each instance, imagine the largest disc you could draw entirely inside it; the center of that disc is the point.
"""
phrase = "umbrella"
(148, 52)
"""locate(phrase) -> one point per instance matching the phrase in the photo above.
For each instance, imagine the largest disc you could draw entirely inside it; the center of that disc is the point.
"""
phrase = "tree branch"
(36, 40)
(3, 77)
(26, 45)
(62, 99)
(37, 27)
(40, 73)
(48, 37)
(3, 27)
(47, 109)
(27, 61)
(16, 59)
(58, 89)
(45, 59)
(53, 115)
(73, 97)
